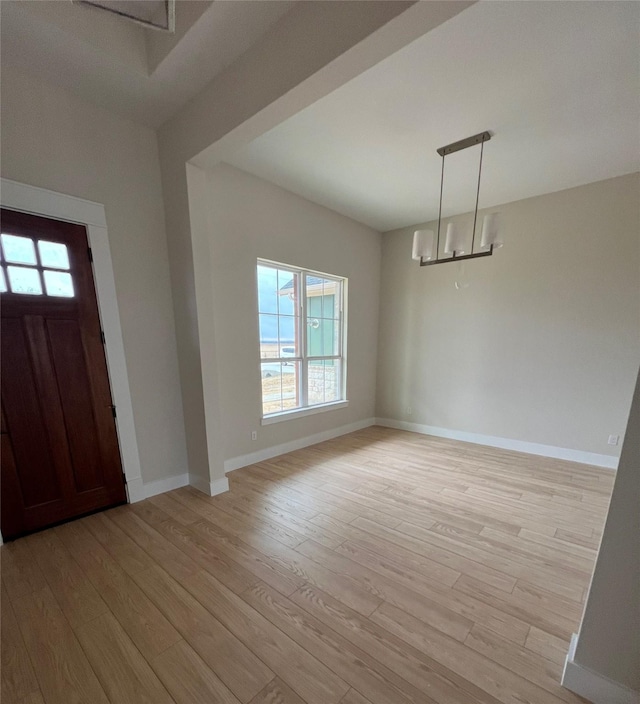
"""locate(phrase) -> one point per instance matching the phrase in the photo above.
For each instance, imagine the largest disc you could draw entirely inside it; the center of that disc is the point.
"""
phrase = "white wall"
(250, 218)
(544, 343)
(53, 140)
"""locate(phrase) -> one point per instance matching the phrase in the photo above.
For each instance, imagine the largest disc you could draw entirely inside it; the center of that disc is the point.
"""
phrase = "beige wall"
(609, 638)
(251, 218)
(53, 140)
(544, 343)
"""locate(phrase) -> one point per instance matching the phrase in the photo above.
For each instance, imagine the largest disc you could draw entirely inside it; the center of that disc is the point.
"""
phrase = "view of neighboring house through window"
(301, 325)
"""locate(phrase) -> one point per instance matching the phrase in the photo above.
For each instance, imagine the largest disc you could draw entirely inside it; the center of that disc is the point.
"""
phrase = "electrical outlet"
(409, 410)
(254, 434)
(613, 439)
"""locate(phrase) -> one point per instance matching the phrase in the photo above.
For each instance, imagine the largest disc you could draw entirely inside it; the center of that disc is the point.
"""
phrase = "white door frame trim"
(39, 201)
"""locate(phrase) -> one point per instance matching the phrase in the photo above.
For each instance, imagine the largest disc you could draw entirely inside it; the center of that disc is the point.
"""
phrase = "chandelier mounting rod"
(472, 141)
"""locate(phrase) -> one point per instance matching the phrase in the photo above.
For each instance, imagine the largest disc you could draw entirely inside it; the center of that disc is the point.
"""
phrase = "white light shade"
(491, 227)
(422, 245)
(453, 241)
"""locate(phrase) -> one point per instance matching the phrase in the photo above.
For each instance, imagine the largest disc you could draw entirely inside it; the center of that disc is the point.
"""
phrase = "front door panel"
(60, 451)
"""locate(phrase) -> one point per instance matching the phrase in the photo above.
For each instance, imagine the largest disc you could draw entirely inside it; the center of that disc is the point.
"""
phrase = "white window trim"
(301, 412)
(306, 410)
(39, 201)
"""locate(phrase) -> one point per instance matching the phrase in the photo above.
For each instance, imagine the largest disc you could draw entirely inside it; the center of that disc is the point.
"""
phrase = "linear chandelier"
(423, 240)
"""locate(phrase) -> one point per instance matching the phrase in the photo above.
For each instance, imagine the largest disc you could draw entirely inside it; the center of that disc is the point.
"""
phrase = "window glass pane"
(18, 249)
(314, 296)
(58, 283)
(290, 386)
(330, 337)
(331, 300)
(287, 292)
(324, 381)
(278, 294)
(314, 337)
(24, 280)
(53, 254)
(287, 335)
(3, 283)
(323, 300)
(280, 386)
(269, 347)
(267, 289)
(332, 380)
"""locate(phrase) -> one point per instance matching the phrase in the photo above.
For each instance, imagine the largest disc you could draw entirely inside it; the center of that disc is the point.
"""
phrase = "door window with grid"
(301, 326)
(34, 267)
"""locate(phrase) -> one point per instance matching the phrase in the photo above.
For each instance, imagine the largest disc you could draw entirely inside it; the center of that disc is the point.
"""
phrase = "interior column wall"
(609, 638)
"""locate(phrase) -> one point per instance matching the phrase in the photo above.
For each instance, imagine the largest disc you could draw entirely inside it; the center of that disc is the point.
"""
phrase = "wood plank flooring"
(381, 567)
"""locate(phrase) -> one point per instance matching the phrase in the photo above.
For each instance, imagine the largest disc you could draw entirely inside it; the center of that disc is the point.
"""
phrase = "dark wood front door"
(60, 455)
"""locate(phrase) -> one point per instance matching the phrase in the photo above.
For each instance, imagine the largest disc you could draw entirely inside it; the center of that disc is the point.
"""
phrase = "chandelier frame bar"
(457, 257)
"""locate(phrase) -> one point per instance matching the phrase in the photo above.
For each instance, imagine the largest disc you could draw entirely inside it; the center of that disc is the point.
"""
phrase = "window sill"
(301, 412)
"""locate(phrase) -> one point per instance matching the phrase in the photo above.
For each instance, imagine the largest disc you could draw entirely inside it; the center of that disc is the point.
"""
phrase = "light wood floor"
(379, 568)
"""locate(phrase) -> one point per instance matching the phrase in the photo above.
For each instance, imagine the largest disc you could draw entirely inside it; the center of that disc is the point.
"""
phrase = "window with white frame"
(302, 332)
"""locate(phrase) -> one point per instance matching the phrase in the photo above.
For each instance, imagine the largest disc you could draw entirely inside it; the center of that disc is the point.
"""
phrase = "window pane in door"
(58, 283)
(53, 254)
(19, 250)
(24, 280)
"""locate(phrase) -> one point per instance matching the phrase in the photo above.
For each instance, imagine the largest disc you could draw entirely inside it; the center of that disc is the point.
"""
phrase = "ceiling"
(558, 84)
(140, 73)
(145, 10)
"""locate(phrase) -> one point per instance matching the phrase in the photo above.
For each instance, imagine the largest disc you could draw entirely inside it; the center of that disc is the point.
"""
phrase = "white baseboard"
(268, 452)
(218, 486)
(531, 448)
(160, 486)
(139, 490)
(593, 686)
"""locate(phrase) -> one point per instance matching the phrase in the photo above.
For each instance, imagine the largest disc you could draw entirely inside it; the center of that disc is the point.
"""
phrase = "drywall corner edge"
(212, 488)
(591, 685)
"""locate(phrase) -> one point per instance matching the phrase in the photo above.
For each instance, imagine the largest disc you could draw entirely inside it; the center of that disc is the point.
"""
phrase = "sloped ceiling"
(139, 73)
(558, 83)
